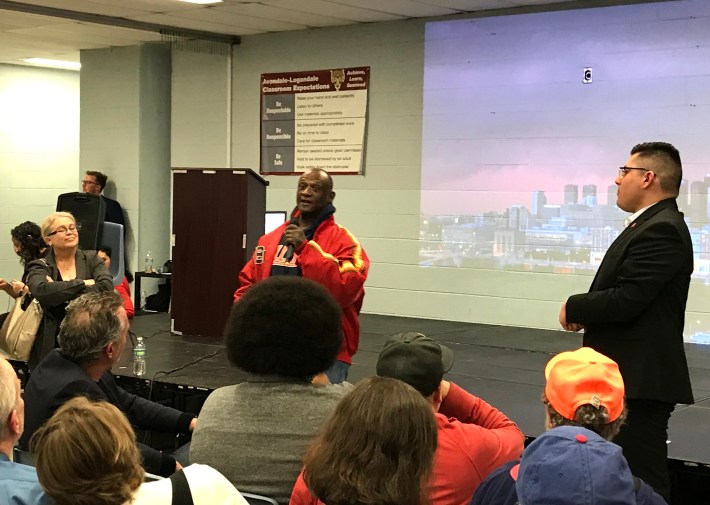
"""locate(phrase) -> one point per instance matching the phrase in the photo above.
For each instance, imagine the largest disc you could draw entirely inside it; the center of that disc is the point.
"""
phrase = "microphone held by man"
(294, 236)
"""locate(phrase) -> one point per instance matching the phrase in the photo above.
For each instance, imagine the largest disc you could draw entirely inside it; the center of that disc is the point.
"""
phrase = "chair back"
(112, 237)
(88, 211)
(257, 499)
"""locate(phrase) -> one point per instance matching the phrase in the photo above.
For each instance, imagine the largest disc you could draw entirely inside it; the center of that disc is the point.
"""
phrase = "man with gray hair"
(91, 339)
(18, 483)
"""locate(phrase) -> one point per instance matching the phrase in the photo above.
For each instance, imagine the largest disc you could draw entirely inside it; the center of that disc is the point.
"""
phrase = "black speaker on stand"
(88, 211)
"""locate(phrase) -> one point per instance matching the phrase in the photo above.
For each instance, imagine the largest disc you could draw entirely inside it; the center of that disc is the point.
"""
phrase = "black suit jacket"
(114, 212)
(634, 311)
(57, 379)
(54, 296)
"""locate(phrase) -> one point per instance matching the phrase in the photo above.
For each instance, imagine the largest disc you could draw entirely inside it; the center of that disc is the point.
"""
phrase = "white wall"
(110, 107)
(39, 149)
(125, 133)
(200, 110)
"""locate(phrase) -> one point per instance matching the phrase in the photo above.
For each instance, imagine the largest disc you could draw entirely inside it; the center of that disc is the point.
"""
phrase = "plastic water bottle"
(148, 263)
(139, 355)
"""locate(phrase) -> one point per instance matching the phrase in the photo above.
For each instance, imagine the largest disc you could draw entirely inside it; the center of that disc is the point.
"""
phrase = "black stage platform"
(501, 364)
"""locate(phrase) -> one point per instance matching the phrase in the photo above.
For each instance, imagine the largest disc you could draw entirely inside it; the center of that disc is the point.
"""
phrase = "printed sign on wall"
(314, 119)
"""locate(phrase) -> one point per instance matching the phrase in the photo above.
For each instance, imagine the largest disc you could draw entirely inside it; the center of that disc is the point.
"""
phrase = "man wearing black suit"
(92, 338)
(634, 311)
(95, 182)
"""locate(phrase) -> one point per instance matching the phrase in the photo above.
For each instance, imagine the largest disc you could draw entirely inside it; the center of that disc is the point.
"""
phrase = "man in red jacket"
(474, 438)
(311, 245)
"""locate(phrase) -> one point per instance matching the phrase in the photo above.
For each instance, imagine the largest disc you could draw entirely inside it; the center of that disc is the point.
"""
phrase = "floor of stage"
(501, 364)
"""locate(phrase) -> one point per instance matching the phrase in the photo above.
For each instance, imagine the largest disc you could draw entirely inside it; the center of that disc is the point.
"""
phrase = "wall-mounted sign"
(314, 119)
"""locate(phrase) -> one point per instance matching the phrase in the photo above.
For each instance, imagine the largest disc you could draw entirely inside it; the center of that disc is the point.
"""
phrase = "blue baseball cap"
(573, 465)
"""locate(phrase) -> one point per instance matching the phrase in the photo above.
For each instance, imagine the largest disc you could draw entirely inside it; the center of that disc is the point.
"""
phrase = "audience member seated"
(584, 388)
(28, 245)
(86, 454)
(376, 448)
(474, 437)
(92, 337)
(571, 465)
(18, 483)
(283, 331)
(63, 274)
(122, 289)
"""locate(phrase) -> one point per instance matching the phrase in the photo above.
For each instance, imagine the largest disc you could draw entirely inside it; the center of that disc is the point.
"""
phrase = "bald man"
(18, 483)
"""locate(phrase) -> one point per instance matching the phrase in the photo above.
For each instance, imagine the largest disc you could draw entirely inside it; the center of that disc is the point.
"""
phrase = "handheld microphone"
(288, 256)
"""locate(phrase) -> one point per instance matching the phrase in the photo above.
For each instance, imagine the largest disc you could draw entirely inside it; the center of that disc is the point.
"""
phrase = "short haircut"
(105, 249)
(377, 446)
(101, 179)
(86, 454)
(50, 219)
(8, 394)
(670, 170)
(90, 324)
(288, 326)
(587, 416)
(29, 236)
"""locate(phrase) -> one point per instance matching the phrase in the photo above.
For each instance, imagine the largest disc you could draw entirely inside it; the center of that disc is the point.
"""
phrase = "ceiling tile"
(405, 8)
(327, 8)
(215, 15)
(194, 24)
(259, 10)
(42, 35)
(472, 5)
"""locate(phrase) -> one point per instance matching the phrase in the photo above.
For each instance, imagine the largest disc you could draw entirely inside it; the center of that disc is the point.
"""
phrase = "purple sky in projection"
(506, 112)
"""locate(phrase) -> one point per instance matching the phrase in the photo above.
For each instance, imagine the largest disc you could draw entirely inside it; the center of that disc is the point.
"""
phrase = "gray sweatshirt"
(257, 432)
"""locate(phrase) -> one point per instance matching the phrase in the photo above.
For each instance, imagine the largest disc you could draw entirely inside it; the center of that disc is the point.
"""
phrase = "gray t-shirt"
(256, 433)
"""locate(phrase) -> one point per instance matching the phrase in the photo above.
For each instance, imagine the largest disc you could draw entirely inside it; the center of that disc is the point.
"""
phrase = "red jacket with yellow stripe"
(334, 258)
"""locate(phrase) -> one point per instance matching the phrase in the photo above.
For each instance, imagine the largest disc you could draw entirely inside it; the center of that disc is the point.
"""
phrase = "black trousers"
(643, 438)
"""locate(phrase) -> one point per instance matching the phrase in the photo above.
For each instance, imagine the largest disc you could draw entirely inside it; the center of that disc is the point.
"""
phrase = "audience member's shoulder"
(343, 388)
(87, 254)
(207, 486)
(20, 483)
(645, 495)
(499, 487)
(333, 389)
(206, 482)
(224, 392)
(220, 396)
(17, 472)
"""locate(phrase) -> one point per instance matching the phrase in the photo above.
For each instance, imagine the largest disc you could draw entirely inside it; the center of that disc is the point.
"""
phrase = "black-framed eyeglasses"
(625, 170)
(85, 182)
(66, 229)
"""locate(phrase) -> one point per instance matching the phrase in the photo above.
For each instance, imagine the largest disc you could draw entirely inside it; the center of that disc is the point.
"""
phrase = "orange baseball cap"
(584, 376)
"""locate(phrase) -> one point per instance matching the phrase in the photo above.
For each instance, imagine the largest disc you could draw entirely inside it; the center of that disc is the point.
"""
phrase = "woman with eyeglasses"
(65, 273)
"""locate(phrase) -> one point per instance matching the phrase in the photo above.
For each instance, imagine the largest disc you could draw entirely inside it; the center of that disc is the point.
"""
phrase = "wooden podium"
(218, 217)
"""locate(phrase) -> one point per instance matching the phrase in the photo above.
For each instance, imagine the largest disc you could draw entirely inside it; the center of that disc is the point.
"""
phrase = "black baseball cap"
(415, 359)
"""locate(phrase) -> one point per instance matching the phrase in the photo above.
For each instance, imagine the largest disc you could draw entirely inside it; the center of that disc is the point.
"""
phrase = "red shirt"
(124, 290)
(334, 258)
(472, 442)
